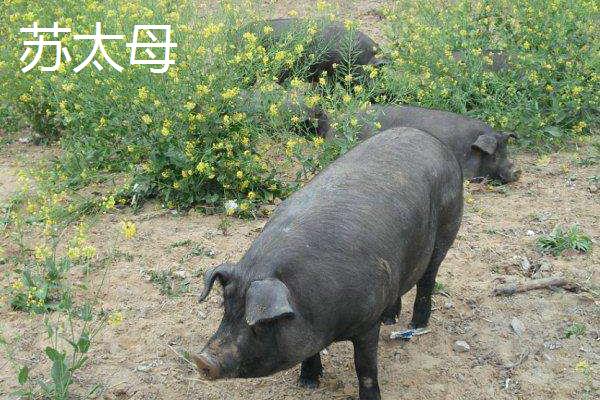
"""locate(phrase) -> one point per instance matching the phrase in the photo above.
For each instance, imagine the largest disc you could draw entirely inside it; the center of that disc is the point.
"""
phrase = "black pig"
(481, 151)
(330, 46)
(335, 259)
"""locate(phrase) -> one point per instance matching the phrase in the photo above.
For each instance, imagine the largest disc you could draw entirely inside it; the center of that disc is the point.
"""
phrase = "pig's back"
(361, 232)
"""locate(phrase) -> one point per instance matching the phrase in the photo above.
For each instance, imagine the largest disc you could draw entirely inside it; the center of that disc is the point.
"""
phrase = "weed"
(169, 284)
(439, 288)
(197, 251)
(560, 240)
(181, 243)
(574, 330)
(224, 225)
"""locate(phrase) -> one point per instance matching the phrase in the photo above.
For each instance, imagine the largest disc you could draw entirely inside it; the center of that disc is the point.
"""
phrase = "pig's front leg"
(311, 371)
(365, 361)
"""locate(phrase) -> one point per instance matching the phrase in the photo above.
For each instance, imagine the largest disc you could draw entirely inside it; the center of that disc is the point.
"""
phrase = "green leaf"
(78, 364)
(83, 345)
(23, 375)
(53, 354)
(554, 131)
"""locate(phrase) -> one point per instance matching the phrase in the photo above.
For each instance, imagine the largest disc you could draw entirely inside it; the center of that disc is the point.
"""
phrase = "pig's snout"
(507, 173)
(207, 366)
(511, 176)
(516, 175)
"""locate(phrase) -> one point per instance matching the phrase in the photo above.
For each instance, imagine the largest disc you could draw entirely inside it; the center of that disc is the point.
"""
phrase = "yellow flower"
(239, 174)
(273, 109)
(358, 89)
(318, 141)
(115, 318)
(346, 98)
(350, 24)
(377, 125)
(245, 206)
(576, 90)
(579, 127)
(42, 252)
(251, 196)
(267, 29)
(202, 90)
(295, 119)
(166, 128)
(295, 82)
(322, 81)
(348, 78)
(176, 185)
(230, 93)
(250, 37)
(17, 285)
(88, 251)
(109, 204)
(143, 93)
(280, 55)
(543, 161)
(202, 167)
(129, 229)
(312, 101)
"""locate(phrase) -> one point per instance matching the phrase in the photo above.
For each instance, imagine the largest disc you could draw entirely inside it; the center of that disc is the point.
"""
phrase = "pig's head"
(260, 333)
(491, 155)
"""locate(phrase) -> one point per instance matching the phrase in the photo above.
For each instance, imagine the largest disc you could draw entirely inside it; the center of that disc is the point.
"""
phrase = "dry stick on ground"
(512, 288)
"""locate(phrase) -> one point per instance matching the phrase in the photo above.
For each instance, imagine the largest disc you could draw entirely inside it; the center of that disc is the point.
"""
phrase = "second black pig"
(480, 150)
(335, 259)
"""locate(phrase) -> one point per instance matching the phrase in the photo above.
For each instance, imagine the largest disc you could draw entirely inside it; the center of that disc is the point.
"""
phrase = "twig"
(546, 283)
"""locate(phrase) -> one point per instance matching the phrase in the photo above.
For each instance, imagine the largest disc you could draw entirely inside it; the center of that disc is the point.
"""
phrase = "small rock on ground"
(517, 326)
(460, 346)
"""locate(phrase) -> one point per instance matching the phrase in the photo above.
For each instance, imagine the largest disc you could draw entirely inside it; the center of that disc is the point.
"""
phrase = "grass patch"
(169, 284)
(561, 240)
(575, 330)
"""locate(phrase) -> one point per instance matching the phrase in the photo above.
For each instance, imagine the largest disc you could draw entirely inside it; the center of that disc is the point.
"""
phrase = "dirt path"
(138, 359)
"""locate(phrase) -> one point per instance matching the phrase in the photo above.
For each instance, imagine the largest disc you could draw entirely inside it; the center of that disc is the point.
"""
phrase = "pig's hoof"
(308, 383)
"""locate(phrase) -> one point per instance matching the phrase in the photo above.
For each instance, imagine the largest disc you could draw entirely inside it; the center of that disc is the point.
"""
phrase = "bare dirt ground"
(140, 359)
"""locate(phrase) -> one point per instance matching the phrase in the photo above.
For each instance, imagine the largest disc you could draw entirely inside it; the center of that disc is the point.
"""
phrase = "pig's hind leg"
(425, 287)
(310, 372)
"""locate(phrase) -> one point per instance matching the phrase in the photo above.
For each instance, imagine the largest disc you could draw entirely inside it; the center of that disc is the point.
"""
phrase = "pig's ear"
(267, 301)
(486, 143)
(221, 272)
